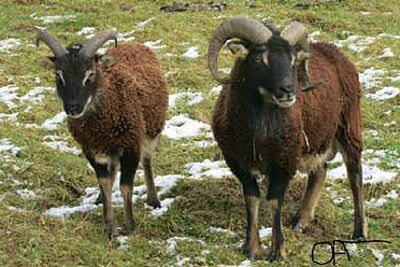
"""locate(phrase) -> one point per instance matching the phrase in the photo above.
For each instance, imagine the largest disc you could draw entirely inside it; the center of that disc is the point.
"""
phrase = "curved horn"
(240, 27)
(51, 42)
(93, 44)
(294, 33)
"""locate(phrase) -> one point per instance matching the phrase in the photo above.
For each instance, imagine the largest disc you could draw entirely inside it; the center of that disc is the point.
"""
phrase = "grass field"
(369, 33)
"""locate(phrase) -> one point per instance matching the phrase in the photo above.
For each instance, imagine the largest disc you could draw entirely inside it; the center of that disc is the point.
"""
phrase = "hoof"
(129, 228)
(358, 236)
(110, 230)
(298, 225)
(153, 202)
(99, 199)
(253, 253)
(277, 255)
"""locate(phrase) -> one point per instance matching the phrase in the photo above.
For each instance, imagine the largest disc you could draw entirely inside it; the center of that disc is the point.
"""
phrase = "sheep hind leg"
(129, 163)
(251, 247)
(305, 214)
(152, 196)
(352, 159)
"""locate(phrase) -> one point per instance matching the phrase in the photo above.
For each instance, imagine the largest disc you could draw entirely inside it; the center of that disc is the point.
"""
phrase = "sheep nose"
(72, 109)
(287, 88)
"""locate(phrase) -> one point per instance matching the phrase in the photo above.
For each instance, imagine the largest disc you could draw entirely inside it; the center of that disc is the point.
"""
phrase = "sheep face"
(271, 70)
(76, 81)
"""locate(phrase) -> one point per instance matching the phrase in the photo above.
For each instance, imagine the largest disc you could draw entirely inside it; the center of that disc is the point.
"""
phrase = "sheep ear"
(47, 62)
(238, 48)
(106, 60)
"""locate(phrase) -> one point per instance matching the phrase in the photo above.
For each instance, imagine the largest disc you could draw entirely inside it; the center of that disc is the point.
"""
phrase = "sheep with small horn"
(117, 107)
(287, 106)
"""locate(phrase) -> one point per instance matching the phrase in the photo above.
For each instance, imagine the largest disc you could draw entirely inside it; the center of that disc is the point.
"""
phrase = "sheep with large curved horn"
(51, 42)
(240, 27)
(93, 44)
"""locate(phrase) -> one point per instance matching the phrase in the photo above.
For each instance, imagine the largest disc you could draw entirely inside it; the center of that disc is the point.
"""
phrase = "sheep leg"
(251, 247)
(316, 180)
(152, 197)
(352, 160)
(275, 195)
(105, 176)
(129, 163)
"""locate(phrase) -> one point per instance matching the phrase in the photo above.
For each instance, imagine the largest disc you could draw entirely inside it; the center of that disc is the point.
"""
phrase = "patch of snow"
(225, 70)
(192, 98)
(8, 44)
(371, 174)
(396, 256)
(387, 53)
(222, 230)
(378, 255)
(313, 36)
(172, 243)
(8, 117)
(164, 183)
(365, 13)
(26, 194)
(384, 94)
(7, 147)
(36, 95)
(86, 31)
(352, 249)
(388, 35)
(390, 124)
(371, 77)
(144, 23)
(355, 43)
(165, 204)
(8, 94)
(338, 200)
(337, 159)
(181, 126)
(54, 19)
(62, 146)
(191, 52)
(383, 200)
(122, 241)
(205, 143)
(216, 90)
(52, 124)
(207, 168)
(154, 44)
(218, 173)
(265, 232)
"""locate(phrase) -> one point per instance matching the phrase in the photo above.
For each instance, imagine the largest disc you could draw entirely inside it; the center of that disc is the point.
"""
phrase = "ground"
(42, 169)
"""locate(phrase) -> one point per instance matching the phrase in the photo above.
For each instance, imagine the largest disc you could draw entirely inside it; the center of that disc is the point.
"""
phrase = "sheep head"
(269, 61)
(77, 78)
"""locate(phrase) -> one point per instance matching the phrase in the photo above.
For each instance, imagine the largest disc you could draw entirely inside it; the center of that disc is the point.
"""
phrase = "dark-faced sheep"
(286, 106)
(116, 107)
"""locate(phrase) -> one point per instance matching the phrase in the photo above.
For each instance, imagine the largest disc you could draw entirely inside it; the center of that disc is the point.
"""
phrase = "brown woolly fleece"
(310, 127)
(130, 106)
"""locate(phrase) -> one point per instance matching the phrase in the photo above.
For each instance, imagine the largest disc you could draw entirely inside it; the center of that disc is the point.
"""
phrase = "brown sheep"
(287, 106)
(116, 107)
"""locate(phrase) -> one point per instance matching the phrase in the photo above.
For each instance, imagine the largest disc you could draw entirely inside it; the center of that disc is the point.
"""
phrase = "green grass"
(29, 238)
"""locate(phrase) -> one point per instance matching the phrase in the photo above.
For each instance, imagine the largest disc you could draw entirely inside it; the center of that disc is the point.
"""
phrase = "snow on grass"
(8, 94)
(387, 53)
(26, 194)
(384, 94)
(370, 174)
(371, 77)
(36, 95)
(62, 146)
(122, 241)
(207, 168)
(382, 200)
(213, 229)
(172, 243)
(216, 90)
(355, 43)
(265, 232)
(181, 126)
(87, 203)
(191, 52)
(204, 143)
(191, 98)
(141, 24)
(52, 123)
(396, 256)
(378, 255)
(8, 117)
(53, 19)
(154, 44)
(165, 204)
(6, 147)
(8, 44)
(86, 31)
